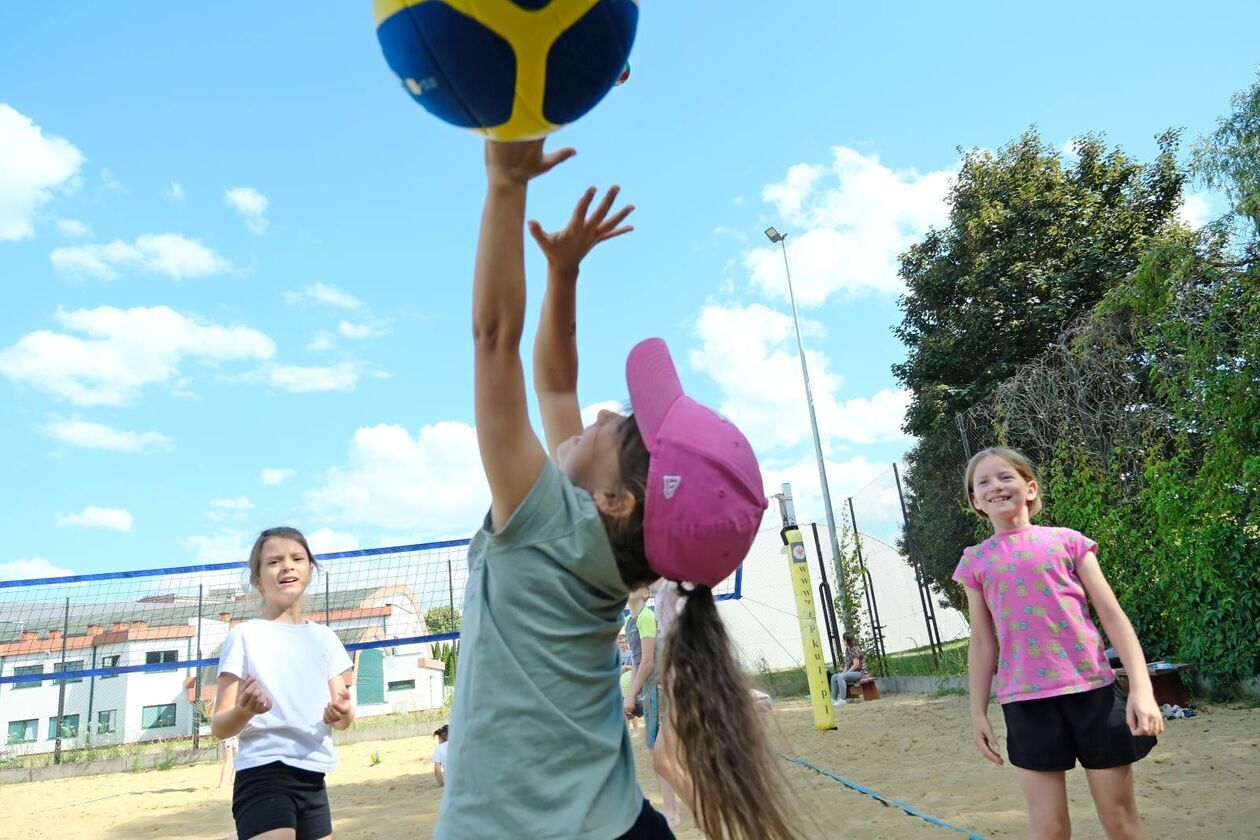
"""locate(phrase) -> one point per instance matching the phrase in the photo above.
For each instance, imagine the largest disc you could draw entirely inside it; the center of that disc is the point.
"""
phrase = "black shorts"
(1053, 733)
(279, 796)
(651, 825)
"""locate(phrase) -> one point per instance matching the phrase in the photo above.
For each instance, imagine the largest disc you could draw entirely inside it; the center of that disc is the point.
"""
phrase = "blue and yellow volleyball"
(509, 69)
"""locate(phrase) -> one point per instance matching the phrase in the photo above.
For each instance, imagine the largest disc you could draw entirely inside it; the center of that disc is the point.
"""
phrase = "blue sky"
(237, 258)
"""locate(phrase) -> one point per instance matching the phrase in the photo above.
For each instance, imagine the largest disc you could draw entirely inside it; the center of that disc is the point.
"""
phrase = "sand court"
(1202, 780)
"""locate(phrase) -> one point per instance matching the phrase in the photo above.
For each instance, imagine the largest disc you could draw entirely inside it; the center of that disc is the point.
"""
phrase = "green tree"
(442, 620)
(1229, 160)
(1032, 244)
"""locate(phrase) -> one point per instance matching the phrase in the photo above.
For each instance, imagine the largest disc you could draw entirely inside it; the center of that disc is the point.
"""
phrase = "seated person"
(854, 670)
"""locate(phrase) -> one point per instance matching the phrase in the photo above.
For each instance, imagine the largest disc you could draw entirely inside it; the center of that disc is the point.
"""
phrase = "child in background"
(644, 699)
(671, 491)
(227, 772)
(282, 689)
(1032, 586)
(439, 754)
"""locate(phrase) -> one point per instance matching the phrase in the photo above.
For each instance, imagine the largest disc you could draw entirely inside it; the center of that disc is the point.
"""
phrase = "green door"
(371, 677)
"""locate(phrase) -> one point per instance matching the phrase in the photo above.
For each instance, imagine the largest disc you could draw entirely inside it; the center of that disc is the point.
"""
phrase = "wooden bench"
(1166, 682)
(866, 689)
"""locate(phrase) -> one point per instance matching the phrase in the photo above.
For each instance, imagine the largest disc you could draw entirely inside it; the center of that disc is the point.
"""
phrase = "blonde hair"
(1016, 459)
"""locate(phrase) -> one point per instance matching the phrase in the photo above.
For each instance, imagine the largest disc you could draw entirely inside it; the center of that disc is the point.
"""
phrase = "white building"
(159, 703)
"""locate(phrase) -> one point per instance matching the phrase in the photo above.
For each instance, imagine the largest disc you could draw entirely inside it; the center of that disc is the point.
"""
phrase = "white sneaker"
(839, 702)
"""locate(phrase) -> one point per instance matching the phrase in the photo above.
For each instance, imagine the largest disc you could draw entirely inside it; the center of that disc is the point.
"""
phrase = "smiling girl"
(283, 689)
(1031, 586)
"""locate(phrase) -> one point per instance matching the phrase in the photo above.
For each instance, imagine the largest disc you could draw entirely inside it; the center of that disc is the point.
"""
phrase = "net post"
(61, 689)
(196, 704)
(916, 560)
(327, 611)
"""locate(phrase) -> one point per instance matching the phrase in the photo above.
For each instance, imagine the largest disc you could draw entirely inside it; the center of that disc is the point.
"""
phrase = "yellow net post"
(811, 641)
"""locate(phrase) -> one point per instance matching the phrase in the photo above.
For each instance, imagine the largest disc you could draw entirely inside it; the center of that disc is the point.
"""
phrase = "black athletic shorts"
(1053, 733)
(651, 825)
(279, 796)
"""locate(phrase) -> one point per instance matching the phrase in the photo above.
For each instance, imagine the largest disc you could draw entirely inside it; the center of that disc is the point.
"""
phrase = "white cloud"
(328, 541)
(301, 379)
(251, 205)
(123, 351)
(27, 568)
(109, 519)
(359, 331)
(110, 183)
(325, 294)
(322, 340)
(751, 353)
(848, 223)
(428, 485)
(98, 436)
(224, 509)
(33, 167)
(1195, 210)
(172, 254)
(226, 546)
(175, 192)
(275, 475)
(72, 229)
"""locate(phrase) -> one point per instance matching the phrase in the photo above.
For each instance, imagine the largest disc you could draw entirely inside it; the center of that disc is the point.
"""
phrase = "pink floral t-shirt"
(1047, 643)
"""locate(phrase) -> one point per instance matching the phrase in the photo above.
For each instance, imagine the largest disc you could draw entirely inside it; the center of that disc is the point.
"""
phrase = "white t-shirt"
(292, 664)
(439, 753)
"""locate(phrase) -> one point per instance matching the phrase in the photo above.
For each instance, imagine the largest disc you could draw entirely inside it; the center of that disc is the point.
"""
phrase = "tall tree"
(1034, 241)
(1031, 244)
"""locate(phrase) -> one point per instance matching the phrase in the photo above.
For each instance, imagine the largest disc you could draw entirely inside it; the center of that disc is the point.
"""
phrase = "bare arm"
(644, 671)
(339, 713)
(1141, 712)
(981, 659)
(236, 704)
(510, 452)
(555, 347)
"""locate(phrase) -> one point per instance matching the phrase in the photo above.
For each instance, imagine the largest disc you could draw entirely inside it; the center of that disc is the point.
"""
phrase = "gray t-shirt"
(539, 746)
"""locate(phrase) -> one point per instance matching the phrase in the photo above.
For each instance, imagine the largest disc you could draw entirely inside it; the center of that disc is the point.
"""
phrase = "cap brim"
(654, 386)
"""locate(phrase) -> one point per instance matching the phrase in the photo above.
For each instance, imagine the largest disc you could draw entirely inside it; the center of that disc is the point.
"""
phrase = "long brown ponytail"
(738, 792)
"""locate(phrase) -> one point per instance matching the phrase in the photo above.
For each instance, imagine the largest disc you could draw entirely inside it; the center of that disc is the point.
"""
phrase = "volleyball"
(508, 69)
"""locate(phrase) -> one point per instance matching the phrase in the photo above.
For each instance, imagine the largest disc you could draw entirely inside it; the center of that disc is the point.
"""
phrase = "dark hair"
(850, 639)
(283, 532)
(738, 792)
(443, 732)
(625, 533)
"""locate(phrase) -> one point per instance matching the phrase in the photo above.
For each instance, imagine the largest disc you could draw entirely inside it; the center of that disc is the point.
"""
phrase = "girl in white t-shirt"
(282, 689)
(442, 733)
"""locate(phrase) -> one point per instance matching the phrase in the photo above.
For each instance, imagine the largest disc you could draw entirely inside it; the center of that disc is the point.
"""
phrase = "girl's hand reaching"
(566, 248)
(338, 708)
(1142, 715)
(252, 698)
(516, 163)
(986, 741)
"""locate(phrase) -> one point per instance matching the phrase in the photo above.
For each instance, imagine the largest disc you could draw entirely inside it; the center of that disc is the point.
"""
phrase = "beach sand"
(1202, 780)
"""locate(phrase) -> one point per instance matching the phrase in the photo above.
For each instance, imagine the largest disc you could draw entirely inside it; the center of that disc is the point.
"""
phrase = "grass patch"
(918, 662)
(949, 691)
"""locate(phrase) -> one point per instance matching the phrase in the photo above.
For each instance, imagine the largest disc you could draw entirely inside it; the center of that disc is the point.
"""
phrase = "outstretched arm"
(510, 452)
(555, 347)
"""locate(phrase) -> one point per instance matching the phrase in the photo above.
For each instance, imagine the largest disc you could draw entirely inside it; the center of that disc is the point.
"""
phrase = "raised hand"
(517, 163)
(251, 697)
(338, 707)
(566, 248)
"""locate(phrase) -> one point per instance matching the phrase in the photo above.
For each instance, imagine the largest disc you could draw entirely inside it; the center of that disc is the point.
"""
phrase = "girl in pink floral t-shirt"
(1029, 589)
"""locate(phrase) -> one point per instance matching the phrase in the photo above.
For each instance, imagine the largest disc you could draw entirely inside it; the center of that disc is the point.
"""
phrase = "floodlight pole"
(781, 239)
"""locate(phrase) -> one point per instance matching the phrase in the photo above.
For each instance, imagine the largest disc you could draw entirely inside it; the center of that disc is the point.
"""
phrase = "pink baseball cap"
(705, 497)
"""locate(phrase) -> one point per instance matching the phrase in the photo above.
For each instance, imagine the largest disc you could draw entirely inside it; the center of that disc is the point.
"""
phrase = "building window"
(28, 669)
(161, 657)
(401, 685)
(106, 722)
(69, 727)
(22, 731)
(69, 667)
(110, 662)
(157, 717)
